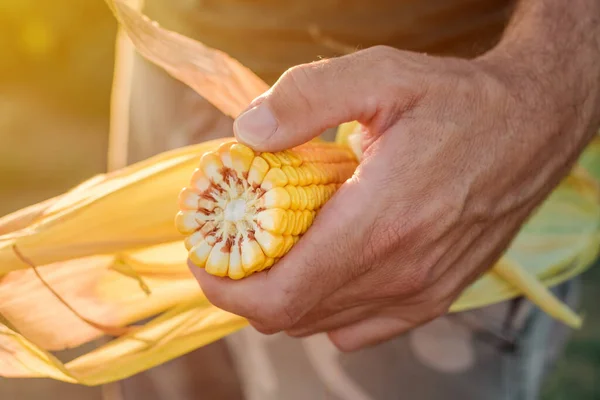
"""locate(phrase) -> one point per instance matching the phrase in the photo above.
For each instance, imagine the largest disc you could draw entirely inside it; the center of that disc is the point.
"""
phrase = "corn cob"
(244, 210)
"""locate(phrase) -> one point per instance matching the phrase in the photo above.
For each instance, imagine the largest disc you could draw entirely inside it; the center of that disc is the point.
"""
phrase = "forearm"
(556, 44)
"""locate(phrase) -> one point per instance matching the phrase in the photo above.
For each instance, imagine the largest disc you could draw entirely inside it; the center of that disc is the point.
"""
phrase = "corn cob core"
(245, 210)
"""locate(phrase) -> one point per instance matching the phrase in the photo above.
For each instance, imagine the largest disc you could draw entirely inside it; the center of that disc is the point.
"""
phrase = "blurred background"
(55, 79)
(56, 65)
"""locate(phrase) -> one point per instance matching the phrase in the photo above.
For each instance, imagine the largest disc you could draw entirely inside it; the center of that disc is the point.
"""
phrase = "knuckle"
(390, 233)
(440, 215)
(382, 52)
(414, 281)
(388, 60)
(295, 82)
(407, 278)
(406, 84)
(296, 93)
(386, 235)
(452, 206)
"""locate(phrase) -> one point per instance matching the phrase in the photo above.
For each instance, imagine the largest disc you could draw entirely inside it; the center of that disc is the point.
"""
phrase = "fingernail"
(255, 126)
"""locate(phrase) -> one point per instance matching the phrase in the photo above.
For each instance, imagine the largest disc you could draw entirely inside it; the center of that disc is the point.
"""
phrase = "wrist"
(561, 94)
(549, 56)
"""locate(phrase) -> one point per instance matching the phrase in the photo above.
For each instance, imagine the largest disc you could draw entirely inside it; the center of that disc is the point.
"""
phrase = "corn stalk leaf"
(95, 290)
(178, 331)
(133, 208)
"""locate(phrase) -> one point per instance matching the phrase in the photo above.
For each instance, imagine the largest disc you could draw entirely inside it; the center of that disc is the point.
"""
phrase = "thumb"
(310, 98)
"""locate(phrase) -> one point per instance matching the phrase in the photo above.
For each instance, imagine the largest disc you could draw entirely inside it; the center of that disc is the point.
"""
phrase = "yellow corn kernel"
(199, 253)
(276, 198)
(212, 167)
(294, 196)
(218, 259)
(270, 243)
(291, 222)
(188, 199)
(284, 158)
(302, 198)
(224, 153)
(252, 255)
(302, 178)
(274, 178)
(200, 183)
(241, 158)
(292, 175)
(294, 157)
(274, 220)
(236, 268)
(271, 159)
(258, 170)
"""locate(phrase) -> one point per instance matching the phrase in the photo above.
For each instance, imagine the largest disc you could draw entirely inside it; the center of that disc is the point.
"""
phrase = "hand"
(457, 154)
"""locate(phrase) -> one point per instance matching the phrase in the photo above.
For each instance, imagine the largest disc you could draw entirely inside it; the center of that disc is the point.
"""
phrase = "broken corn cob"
(244, 210)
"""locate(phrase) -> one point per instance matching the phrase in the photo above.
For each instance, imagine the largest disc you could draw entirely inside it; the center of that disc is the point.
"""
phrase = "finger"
(252, 298)
(430, 303)
(310, 98)
(368, 332)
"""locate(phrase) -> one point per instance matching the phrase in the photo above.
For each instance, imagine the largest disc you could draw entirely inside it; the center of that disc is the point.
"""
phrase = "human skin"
(457, 154)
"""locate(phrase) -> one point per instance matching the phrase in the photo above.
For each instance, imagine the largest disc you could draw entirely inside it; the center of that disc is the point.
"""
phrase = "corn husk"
(109, 249)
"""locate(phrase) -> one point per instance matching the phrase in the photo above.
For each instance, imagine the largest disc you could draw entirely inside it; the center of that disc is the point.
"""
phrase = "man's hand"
(457, 154)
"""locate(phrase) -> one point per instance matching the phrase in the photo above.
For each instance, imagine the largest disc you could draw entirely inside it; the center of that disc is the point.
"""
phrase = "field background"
(56, 62)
